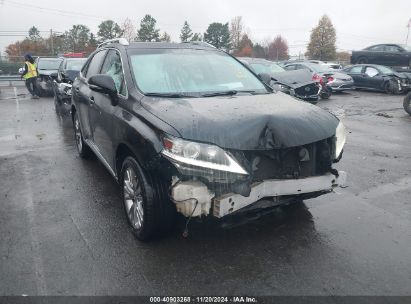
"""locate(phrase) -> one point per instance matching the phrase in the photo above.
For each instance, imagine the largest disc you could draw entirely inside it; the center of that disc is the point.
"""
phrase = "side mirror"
(266, 78)
(104, 84)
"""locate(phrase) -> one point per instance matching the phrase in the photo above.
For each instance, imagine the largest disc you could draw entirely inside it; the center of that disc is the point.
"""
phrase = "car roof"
(165, 45)
(255, 60)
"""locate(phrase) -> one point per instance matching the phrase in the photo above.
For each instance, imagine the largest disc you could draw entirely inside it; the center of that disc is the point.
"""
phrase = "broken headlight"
(200, 155)
(340, 138)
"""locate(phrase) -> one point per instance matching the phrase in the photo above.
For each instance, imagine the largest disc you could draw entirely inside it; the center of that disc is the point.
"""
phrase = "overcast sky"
(359, 23)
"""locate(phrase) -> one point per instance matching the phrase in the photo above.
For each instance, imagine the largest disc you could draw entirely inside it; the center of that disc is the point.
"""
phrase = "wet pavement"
(63, 231)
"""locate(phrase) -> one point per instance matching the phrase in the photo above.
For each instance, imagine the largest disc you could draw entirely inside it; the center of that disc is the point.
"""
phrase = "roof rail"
(200, 43)
(122, 41)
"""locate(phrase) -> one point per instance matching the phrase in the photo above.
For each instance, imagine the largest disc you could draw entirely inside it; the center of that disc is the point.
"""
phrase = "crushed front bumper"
(195, 199)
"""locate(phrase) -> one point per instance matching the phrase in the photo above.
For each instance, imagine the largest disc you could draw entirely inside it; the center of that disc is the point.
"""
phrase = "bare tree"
(278, 49)
(128, 29)
(236, 31)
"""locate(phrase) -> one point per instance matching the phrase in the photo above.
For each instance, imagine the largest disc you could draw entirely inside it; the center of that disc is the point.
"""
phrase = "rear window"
(48, 64)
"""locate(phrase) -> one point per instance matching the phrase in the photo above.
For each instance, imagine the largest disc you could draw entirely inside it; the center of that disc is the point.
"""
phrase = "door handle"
(92, 101)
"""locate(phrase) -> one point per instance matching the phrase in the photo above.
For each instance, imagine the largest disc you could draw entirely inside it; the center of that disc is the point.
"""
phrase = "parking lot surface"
(63, 231)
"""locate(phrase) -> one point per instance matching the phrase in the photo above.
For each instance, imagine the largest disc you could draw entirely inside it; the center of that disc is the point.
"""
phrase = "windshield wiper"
(227, 93)
(169, 95)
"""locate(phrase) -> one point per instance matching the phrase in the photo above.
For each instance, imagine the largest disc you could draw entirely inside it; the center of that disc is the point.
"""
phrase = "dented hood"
(294, 79)
(246, 122)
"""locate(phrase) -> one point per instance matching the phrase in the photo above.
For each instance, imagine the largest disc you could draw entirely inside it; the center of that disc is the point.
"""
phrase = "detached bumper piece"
(193, 198)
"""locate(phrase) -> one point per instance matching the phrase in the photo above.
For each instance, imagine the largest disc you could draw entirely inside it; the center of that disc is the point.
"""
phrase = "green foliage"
(34, 34)
(186, 32)
(148, 31)
(165, 37)
(322, 41)
(109, 30)
(218, 35)
(258, 51)
(197, 37)
(77, 38)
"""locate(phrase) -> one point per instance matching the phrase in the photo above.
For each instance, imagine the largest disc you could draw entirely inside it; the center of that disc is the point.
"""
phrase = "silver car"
(336, 81)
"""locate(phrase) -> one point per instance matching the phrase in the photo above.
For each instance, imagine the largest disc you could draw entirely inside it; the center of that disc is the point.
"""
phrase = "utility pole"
(51, 42)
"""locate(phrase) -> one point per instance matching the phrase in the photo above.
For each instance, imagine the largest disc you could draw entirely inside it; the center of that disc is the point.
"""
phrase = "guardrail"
(10, 78)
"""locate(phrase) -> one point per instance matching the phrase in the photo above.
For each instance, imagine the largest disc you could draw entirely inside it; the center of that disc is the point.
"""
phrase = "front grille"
(307, 90)
(288, 163)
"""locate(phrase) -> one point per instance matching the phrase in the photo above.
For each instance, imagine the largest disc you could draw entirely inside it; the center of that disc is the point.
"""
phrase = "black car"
(295, 83)
(187, 128)
(63, 79)
(47, 67)
(394, 55)
(335, 80)
(378, 77)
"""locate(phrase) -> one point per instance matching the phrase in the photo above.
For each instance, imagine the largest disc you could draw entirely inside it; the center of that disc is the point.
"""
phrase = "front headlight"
(200, 155)
(340, 138)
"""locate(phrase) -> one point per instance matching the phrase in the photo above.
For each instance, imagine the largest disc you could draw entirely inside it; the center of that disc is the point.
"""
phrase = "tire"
(57, 104)
(391, 87)
(407, 103)
(362, 60)
(83, 150)
(147, 207)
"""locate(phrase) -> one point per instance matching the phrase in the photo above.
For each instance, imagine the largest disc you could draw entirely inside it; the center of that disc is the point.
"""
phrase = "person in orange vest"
(30, 75)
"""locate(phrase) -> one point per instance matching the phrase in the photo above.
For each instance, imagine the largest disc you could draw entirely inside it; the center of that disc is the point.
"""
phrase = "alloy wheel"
(133, 198)
(77, 133)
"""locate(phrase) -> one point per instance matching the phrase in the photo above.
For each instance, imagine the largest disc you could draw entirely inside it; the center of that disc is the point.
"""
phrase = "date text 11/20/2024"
(238, 299)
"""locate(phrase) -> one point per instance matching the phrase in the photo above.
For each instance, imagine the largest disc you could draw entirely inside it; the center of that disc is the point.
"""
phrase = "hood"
(246, 122)
(294, 79)
(47, 72)
(71, 74)
(400, 75)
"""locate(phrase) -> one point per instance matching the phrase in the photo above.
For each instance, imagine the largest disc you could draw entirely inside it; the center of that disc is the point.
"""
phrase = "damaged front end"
(308, 92)
(220, 182)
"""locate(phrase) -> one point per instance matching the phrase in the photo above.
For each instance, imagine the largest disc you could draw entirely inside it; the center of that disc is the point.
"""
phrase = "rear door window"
(370, 71)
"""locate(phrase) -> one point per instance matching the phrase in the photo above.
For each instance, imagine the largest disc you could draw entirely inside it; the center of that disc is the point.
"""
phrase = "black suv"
(187, 128)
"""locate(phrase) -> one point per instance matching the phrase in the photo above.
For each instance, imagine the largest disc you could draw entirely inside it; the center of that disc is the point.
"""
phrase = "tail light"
(317, 78)
(330, 79)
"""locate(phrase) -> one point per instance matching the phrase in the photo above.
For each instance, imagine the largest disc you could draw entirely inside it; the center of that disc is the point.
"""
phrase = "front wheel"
(147, 206)
(407, 103)
(392, 87)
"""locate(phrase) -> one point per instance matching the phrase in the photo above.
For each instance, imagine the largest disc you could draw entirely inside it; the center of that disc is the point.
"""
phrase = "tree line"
(231, 37)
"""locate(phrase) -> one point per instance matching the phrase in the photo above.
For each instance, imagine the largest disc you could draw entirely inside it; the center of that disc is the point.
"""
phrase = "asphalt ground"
(63, 230)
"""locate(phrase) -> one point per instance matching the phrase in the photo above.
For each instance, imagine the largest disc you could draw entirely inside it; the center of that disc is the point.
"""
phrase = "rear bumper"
(337, 87)
(195, 199)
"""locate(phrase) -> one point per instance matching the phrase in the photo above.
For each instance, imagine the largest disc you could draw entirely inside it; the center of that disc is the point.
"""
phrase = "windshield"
(406, 47)
(269, 68)
(191, 71)
(48, 64)
(385, 70)
(75, 64)
(319, 68)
